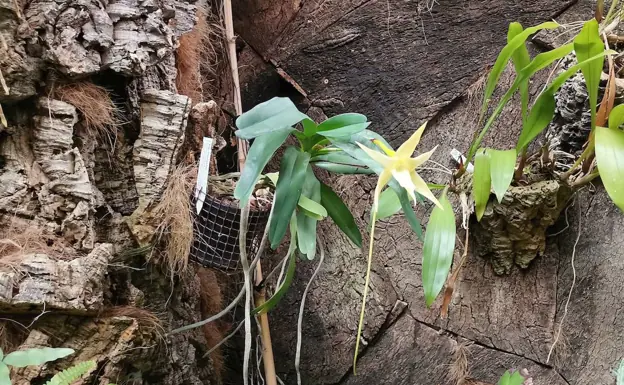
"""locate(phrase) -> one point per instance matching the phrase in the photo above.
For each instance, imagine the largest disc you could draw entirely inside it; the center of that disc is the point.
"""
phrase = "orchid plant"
(301, 200)
(342, 145)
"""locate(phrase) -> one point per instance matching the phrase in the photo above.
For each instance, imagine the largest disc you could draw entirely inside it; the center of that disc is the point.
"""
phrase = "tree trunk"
(96, 99)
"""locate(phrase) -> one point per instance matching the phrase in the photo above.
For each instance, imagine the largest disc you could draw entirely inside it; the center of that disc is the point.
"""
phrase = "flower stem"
(366, 284)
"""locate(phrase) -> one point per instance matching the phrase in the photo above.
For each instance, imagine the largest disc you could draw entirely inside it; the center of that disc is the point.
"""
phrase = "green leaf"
(511, 379)
(306, 235)
(290, 273)
(347, 169)
(438, 249)
(306, 224)
(540, 117)
(389, 204)
(308, 143)
(260, 152)
(35, 357)
(309, 127)
(520, 59)
(540, 62)
(544, 108)
(610, 160)
(5, 374)
(341, 163)
(502, 165)
(340, 214)
(274, 114)
(344, 132)
(588, 44)
(342, 120)
(481, 182)
(311, 208)
(616, 117)
(410, 215)
(504, 57)
(273, 177)
(287, 192)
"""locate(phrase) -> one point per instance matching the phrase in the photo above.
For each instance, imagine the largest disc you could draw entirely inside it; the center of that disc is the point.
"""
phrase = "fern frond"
(71, 375)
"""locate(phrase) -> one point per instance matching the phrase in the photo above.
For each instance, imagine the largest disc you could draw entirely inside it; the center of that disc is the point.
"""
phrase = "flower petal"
(409, 146)
(420, 159)
(383, 180)
(421, 187)
(377, 156)
(405, 180)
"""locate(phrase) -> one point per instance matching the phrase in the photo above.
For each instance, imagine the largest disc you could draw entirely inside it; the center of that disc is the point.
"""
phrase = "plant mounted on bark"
(343, 145)
(528, 193)
(301, 200)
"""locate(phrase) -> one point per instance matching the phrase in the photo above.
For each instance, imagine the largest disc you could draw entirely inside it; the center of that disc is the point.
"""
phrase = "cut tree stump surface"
(401, 68)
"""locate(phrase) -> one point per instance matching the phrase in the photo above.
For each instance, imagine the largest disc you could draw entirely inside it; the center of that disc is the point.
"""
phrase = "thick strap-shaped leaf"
(343, 126)
(344, 132)
(290, 273)
(520, 59)
(306, 224)
(5, 374)
(610, 160)
(588, 44)
(438, 249)
(481, 182)
(540, 62)
(340, 162)
(309, 127)
(292, 175)
(505, 55)
(258, 156)
(267, 117)
(340, 214)
(544, 108)
(616, 117)
(311, 208)
(340, 121)
(345, 169)
(502, 165)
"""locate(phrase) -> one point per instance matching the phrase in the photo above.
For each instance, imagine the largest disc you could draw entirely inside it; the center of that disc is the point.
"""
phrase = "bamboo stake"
(267, 353)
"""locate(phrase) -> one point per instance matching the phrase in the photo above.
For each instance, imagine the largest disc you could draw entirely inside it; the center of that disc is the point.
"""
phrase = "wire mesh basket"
(216, 230)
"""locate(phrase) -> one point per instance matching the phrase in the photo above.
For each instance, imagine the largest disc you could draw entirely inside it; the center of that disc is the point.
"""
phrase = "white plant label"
(459, 158)
(201, 186)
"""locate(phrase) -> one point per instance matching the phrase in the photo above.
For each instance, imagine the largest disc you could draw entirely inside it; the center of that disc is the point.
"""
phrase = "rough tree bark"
(78, 279)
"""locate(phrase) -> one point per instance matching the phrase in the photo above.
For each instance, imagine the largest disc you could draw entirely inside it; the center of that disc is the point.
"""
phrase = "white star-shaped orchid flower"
(400, 165)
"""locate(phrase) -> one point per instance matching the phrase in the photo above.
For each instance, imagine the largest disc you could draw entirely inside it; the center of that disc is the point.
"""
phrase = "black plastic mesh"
(216, 230)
